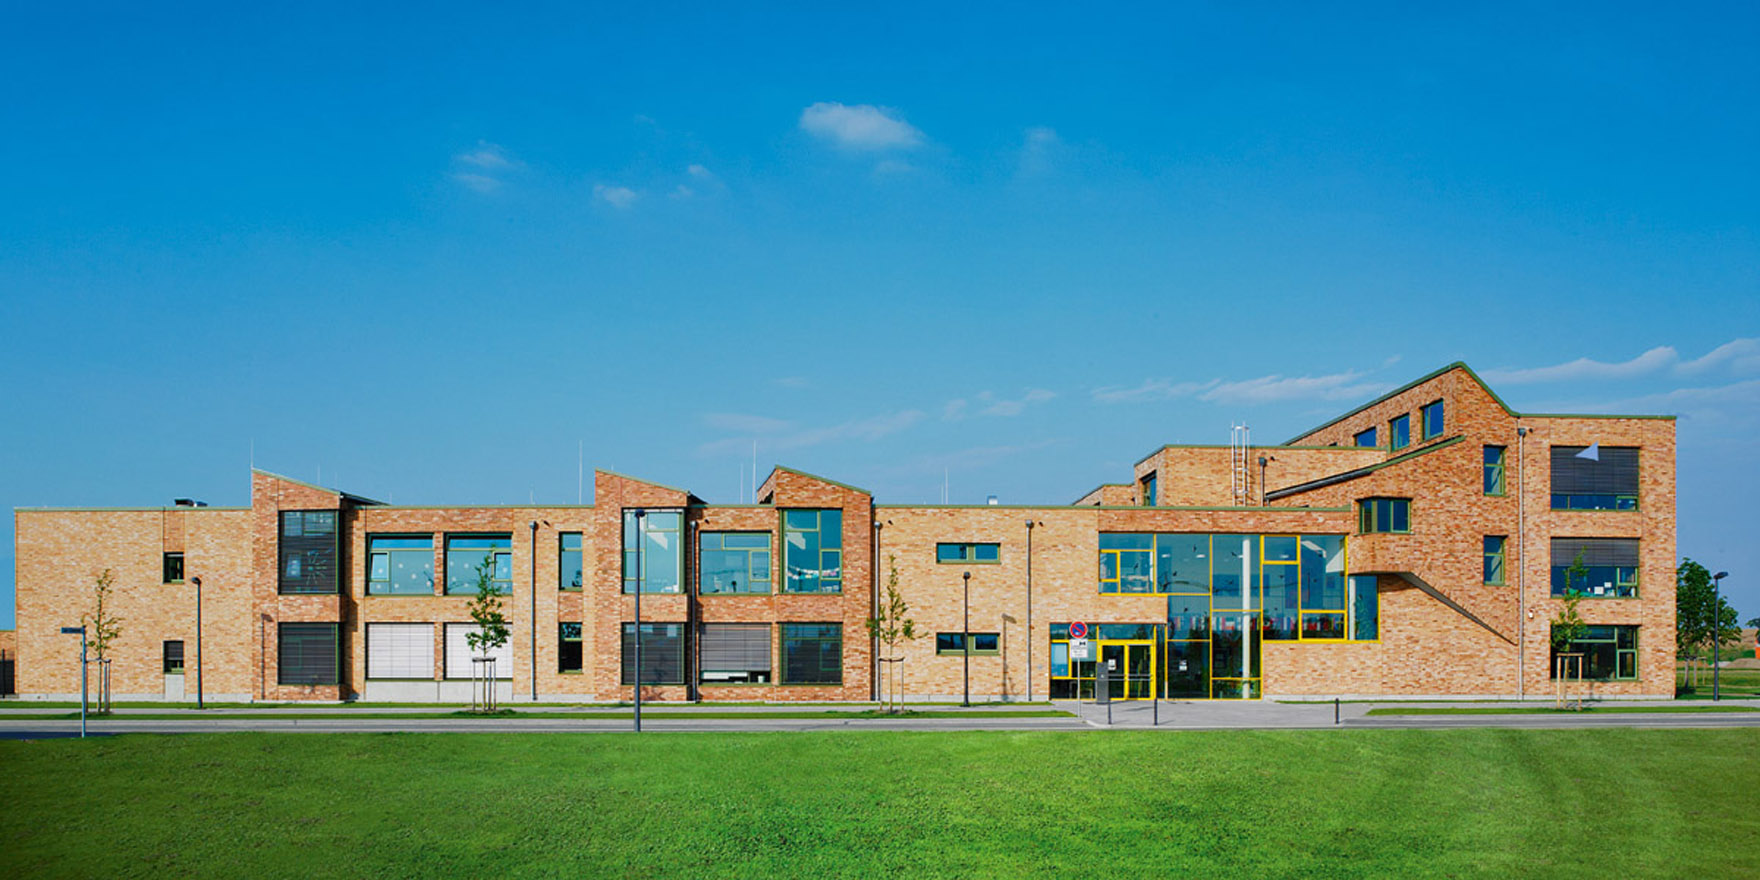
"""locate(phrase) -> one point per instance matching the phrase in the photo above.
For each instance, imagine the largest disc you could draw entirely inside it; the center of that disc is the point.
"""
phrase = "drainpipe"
(874, 610)
(1030, 639)
(532, 568)
(1522, 557)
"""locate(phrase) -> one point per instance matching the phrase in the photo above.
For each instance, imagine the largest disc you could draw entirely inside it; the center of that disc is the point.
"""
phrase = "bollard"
(1334, 710)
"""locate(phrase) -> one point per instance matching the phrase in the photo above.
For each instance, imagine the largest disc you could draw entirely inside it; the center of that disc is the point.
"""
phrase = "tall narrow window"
(1494, 469)
(470, 557)
(568, 561)
(812, 653)
(653, 549)
(1399, 432)
(173, 568)
(1149, 491)
(308, 551)
(813, 557)
(1365, 608)
(1603, 479)
(1494, 558)
(172, 654)
(568, 648)
(1366, 438)
(733, 562)
(400, 565)
(1384, 515)
(1432, 414)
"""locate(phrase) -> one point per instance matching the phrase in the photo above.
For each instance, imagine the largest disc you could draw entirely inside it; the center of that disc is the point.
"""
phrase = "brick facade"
(1442, 630)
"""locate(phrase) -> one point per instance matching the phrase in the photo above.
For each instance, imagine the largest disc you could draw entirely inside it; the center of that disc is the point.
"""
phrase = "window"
(1384, 515)
(1365, 608)
(1182, 564)
(173, 657)
(1432, 415)
(1610, 653)
(1494, 559)
(1494, 469)
(400, 650)
(470, 557)
(1127, 563)
(568, 561)
(1598, 568)
(1607, 481)
(460, 659)
(1149, 498)
(400, 565)
(957, 643)
(978, 554)
(1399, 432)
(308, 654)
(662, 653)
(812, 653)
(308, 551)
(814, 552)
(733, 562)
(173, 568)
(568, 648)
(735, 653)
(657, 558)
(1366, 438)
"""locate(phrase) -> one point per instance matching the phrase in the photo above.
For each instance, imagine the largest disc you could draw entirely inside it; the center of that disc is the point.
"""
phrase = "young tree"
(892, 628)
(102, 628)
(492, 630)
(1692, 612)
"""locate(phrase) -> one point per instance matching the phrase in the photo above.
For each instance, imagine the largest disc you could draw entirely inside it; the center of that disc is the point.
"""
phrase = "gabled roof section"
(346, 496)
(799, 473)
(1346, 476)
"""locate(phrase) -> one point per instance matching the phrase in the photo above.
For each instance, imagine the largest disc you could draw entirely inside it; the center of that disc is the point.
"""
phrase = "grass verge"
(1548, 710)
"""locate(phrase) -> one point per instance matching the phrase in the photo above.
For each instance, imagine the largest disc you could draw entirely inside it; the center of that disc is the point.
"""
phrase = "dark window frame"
(1370, 516)
(785, 654)
(171, 567)
(969, 553)
(317, 569)
(971, 644)
(309, 629)
(166, 654)
(1433, 427)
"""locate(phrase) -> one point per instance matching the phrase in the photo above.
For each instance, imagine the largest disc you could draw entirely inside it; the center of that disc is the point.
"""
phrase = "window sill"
(820, 593)
(735, 595)
(968, 562)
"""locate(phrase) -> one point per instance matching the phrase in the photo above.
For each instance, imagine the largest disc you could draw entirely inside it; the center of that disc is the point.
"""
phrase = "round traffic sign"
(1078, 630)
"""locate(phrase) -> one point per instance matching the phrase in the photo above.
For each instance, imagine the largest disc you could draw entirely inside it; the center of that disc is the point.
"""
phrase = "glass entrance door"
(1130, 669)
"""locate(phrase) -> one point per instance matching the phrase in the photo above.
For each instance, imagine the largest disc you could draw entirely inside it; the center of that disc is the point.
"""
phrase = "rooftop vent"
(188, 502)
(991, 501)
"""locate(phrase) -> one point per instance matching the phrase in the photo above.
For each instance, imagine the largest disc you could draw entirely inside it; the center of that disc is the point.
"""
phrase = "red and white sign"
(1078, 630)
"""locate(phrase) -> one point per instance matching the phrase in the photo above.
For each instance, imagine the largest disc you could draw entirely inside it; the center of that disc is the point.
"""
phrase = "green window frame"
(1432, 414)
(812, 653)
(1494, 457)
(569, 574)
(733, 563)
(400, 565)
(812, 551)
(468, 555)
(658, 546)
(171, 656)
(570, 659)
(1610, 481)
(171, 568)
(308, 551)
(734, 653)
(1495, 547)
(1149, 485)
(1384, 516)
(663, 653)
(948, 553)
(1365, 438)
(1610, 653)
(1399, 431)
(1609, 567)
(961, 643)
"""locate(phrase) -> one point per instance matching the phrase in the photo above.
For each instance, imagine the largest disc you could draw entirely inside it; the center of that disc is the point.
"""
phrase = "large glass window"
(970, 554)
(1494, 469)
(568, 648)
(1182, 563)
(814, 553)
(733, 562)
(1606, 479)
(654, 550)
(1610, 653)
(1432, 416)
(1384, 515)
(1399, 431)
(460, 659)
(400, 650)
(735, 653)
(1597, 568)
(1494, 558)
(812, 653)
(1127, 563)
(662, 653)
(307, 654)
(961, 643)
(308, 551)
(568, 561)
(1234, 571)
(470, 557)
(400, 565)
(1366, 438)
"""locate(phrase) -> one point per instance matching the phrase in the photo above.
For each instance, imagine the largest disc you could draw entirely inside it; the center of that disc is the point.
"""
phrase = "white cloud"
(955, 410)
(615, 196)
(1016, 407)
(777, 435)
(1740, 355)
(681, 192)
(487, 155)
(700, 172)
(1151, 389)
(1654, 360)
(1040, 150)
(859, 127)
(482, 183)
(1275, 388)
(485, 168)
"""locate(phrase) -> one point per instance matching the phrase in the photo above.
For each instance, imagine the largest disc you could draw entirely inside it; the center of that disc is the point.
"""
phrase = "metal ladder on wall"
(1240, 454)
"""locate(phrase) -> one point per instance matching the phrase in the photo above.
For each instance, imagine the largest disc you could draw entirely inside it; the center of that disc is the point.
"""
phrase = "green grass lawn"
(1519, 709)
(601, 715)
(1369, 803)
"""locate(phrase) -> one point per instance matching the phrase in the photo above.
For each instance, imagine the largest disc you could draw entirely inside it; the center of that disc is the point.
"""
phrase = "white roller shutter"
(400, 650)
(458, 653)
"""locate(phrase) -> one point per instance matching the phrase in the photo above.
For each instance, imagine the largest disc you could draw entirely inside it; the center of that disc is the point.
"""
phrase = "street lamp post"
(967, 636)
(81, 632)
(1716, 631)
(639, 554)
(198, 584)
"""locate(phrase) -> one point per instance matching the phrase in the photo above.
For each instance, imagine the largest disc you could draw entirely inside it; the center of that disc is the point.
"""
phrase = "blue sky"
(431, 257)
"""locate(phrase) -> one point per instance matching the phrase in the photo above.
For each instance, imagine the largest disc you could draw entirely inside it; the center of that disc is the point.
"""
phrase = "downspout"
(532, 571)
(1030, 674)
(873, 611)
(1522, 559)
